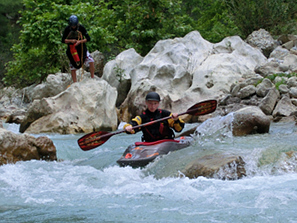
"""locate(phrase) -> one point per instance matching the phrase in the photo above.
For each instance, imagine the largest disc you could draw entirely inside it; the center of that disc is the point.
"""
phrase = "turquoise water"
(91, 187)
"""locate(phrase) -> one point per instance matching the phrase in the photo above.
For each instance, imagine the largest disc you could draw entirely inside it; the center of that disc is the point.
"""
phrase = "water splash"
(218, 128)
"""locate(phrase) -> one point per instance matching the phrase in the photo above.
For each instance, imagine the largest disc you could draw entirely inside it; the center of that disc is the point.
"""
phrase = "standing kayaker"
(76, 36)
(159, 130)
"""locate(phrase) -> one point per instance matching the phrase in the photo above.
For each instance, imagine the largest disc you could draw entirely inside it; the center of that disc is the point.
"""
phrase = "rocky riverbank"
(253, 79)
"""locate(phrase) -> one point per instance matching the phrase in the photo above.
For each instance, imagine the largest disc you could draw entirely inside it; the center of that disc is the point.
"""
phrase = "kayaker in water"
(159, 130)
(76, 35)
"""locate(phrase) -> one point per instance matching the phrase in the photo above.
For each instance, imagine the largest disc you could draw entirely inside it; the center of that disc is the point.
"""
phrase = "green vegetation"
(276, 16)
(284, 77)
(9, 31)
(273, 76)
(114, 26)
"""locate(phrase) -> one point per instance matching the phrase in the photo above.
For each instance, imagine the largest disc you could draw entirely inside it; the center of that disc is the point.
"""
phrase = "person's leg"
(90, 62)
(73, 74)
(92, 69)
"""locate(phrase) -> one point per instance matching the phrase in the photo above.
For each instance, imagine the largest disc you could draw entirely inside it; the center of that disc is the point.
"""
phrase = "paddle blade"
(93, 140)
(203, 108)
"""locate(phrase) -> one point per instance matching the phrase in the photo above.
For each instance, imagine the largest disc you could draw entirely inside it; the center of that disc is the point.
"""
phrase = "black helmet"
(152, 96)
(73, 20)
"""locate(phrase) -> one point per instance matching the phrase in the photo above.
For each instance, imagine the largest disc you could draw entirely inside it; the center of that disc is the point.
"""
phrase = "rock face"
(220, 166)
(54, 84)
(116, 72)
(187, 70)
(183, 71)
(84, 107)
(15, 147)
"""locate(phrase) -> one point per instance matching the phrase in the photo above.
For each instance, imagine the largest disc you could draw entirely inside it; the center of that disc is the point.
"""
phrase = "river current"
(91, 187)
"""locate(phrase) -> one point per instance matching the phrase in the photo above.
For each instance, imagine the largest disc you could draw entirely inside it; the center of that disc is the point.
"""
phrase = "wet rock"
(250, 120)
(220, 166)
(16, 116)
(24, 147)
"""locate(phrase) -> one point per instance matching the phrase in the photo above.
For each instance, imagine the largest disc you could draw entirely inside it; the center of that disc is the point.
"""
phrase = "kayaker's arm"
(135, 121)
(128, 129)
(176, 123)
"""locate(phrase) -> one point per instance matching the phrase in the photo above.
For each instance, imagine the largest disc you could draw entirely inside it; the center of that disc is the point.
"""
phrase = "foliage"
(40, 50)
(287, 75)
(112, 25)
(275, 16)
(283, 76)
(115, 26)
(211, 18)
(9, 31)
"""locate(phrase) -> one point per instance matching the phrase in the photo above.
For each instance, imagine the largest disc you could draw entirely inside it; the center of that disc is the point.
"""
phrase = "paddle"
(95, 139)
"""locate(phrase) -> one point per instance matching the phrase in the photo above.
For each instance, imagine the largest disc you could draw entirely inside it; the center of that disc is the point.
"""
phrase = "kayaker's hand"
(77, 43)
(130, 129)
(174, 116)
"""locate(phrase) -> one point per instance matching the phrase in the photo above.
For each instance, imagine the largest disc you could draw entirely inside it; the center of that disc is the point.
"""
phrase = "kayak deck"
(140, 154)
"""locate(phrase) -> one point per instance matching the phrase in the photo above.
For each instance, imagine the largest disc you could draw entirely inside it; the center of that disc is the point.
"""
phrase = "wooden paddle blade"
(203, 108)
(93, 140)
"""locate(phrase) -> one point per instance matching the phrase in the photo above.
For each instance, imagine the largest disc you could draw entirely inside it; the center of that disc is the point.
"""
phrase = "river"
(91, 187)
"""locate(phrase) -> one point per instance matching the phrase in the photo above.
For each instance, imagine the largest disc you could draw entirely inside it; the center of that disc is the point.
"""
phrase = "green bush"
(113, 26)
(275, 16)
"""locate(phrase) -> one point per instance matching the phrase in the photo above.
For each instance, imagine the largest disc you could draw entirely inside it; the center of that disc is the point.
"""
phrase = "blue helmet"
(73, 20)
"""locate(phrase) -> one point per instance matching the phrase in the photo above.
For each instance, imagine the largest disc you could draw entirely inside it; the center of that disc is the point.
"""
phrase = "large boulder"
(53, 85)
(85, 106)
(250, 120)
(187, 70)
(262, 40)
(220, 166)
(23, 147)
(116, 72)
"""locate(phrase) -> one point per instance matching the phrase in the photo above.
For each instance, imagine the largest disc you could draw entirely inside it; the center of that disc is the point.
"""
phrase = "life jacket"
(76, 54)
(157, 131)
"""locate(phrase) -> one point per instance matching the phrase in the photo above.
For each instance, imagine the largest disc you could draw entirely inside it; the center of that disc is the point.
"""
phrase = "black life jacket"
(81, 49)
(159, 130)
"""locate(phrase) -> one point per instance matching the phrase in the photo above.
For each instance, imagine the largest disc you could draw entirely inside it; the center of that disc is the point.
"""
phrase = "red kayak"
(140, 154)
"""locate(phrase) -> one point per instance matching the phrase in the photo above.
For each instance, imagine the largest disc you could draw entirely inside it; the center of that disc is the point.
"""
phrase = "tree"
(9, 31)
(113, 25)
(211, 19)
(40, 51)
(276, 16)
(140, 23)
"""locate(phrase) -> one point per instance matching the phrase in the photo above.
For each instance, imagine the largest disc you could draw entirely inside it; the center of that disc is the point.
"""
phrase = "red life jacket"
(74, 53)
